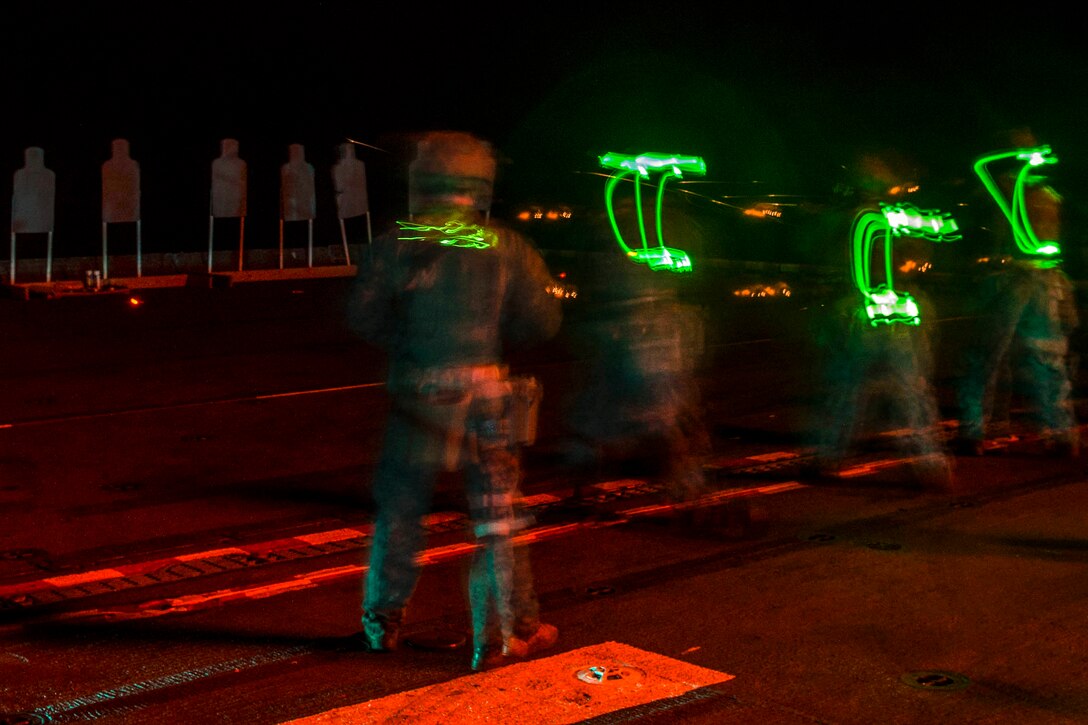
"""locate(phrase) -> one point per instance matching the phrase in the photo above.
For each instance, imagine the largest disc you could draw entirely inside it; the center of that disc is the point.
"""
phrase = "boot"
(517, 648)
(381, 633)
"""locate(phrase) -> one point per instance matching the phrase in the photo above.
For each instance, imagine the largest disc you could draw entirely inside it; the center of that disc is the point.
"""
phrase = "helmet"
(451, 170)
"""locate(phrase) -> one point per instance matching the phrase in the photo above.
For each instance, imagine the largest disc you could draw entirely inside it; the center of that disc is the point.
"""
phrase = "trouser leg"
(497, 589)
(1052, 392)
(987, 364)
(983, 390)
(687, 445)
(402, 495)
(921, 414)
(491, 590)
(835, 432)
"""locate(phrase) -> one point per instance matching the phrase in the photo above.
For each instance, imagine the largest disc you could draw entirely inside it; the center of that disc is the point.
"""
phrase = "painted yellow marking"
(429, 556)
(864, 469)
(295, 393)
(211, 554)
(337, 573)
(544, 690)
(443, 553)
(84, 578)
(716, 497)
(775, 456)
(540, 499)
(442, 517)
(178, 406)
(619, 483)
(325, 537)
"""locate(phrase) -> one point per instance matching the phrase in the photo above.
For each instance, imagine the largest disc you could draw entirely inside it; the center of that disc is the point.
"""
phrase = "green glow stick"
(643, 163)
(451, 234)
(670, 166)
(1015, 210)
(884, 305)
(907, 220)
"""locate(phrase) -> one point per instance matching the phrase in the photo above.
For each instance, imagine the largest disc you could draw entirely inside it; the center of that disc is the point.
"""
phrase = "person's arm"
(371, 295)
(533, 313)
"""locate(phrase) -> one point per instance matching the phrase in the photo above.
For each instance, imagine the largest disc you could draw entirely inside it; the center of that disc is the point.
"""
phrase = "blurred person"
(448, 295)
(876, 378)
(1027, 308)
(876, 363)
(638, 400)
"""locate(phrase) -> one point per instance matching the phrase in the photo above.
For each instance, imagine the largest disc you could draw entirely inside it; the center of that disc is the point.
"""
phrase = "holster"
(525, 397)
(448, 404)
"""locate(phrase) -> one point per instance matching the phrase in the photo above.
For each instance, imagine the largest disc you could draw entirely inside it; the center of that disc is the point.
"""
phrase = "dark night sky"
(764, 96)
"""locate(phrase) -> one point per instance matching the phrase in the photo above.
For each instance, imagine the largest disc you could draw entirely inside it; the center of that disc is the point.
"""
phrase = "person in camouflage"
(875, 375)
(1028, 312)
(639, 398)
(448, 294)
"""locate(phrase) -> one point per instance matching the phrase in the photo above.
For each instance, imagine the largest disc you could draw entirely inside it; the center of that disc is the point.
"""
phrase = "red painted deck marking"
(545, 690)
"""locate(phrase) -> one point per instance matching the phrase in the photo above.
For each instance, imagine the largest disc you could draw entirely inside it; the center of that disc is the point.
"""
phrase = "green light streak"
(889, 307)
(907, 220)
(1015, 209)
(451, 234)
(643, 163)
(659, 257)
(884, 305)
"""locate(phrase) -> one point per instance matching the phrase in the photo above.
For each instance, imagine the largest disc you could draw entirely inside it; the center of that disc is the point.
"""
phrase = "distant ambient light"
(563, 293)
(539, 213)
(778, 289)
(762, 211)
(1014, 207)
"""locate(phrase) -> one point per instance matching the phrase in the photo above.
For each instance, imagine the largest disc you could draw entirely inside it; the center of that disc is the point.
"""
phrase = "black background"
(774, 100)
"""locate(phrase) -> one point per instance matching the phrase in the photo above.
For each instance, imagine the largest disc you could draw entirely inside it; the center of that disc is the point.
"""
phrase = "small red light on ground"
(135, 301)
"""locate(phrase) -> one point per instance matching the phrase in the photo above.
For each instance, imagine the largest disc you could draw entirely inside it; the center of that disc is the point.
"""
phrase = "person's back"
(453, 305)
(447, 296)
(1030, 308)
(637, 401)
(876, 366)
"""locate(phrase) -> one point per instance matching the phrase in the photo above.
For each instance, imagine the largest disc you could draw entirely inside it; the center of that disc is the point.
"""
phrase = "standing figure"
(349, 184)
(877, 355)
(121, 199)
(33, 198)
(638, 399)
(298, 201)
(120, 185)
(230, 182)
(876, 379)
(229, 190)
(448, 296)
(1029, 308)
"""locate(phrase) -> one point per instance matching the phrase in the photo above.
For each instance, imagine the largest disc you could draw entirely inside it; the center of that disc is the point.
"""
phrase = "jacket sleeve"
(370, 313)
(532, 312)
(1069, 315)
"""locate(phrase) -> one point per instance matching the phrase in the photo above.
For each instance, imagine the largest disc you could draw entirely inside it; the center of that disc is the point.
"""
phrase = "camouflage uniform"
(876, 378)
(1030, 314)
(447, 315)
(1028, 311)
(866, 368)
(640, 397)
